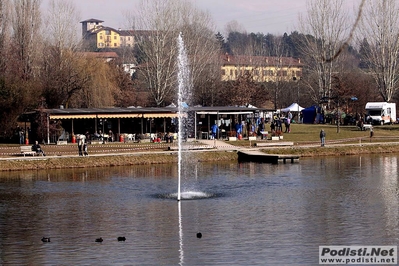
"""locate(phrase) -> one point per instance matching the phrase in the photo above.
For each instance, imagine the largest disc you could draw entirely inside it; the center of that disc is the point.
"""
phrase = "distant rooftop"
(92, 20)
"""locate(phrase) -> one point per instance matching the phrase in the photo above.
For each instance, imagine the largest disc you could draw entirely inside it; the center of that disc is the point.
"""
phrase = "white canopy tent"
(292, 108)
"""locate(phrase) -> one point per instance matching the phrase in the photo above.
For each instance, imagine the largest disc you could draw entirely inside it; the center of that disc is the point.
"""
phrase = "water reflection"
(262, 214)
(181, 251)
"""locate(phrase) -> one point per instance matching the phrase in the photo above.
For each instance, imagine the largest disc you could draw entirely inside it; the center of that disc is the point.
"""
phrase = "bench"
(264, 134)
(273, 144)
(27, 150)
(365, 127)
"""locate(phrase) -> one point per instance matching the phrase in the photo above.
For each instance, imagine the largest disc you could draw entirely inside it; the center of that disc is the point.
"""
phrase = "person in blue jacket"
(238, 129)
(214, 130)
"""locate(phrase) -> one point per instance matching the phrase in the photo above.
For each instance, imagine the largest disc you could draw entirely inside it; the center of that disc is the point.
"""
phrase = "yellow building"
(261, 68)
(99, 36)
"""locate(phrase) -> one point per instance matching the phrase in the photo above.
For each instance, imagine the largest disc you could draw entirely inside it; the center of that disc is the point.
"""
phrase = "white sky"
(266, 16)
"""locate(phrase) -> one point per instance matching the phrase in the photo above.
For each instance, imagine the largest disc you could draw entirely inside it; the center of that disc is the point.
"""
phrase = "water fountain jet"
(183, 78)
(184, 124)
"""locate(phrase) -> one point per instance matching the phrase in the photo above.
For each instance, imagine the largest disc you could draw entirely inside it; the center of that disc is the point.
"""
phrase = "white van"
(379, 113)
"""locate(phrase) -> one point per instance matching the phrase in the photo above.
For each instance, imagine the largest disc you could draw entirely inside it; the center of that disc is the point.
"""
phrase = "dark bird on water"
(121, 238)
(99, 240)
(199, 235)
(45, 239)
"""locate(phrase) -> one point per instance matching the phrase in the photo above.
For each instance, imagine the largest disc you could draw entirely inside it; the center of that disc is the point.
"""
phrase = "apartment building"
(99, 36)
(261, 68)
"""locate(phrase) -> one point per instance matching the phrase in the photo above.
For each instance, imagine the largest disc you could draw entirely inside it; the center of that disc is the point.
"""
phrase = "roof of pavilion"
(143, 112)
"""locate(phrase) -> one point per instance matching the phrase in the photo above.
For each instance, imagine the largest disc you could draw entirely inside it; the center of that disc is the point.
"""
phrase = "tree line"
(42, 64)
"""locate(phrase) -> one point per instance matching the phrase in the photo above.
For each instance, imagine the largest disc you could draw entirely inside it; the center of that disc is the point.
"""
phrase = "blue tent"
(309, 114)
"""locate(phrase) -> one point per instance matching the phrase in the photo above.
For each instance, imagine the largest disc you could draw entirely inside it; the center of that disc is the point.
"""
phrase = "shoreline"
(107, 160)
(164, 157)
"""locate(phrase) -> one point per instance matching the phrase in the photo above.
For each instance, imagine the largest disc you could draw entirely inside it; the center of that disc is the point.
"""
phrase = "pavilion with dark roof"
(144, 120)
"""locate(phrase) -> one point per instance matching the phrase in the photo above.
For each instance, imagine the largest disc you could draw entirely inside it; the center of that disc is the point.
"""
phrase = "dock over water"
(261, 157)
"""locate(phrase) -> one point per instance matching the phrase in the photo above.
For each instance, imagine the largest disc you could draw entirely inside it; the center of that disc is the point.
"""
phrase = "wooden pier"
(261, 157)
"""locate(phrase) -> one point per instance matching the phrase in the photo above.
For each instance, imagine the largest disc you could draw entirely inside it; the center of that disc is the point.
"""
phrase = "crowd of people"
(255, 128)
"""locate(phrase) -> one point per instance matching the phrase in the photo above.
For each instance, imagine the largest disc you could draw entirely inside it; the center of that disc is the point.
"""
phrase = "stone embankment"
(125, 154)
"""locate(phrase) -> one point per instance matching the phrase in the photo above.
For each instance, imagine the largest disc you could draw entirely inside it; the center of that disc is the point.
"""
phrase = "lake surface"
(253, 214)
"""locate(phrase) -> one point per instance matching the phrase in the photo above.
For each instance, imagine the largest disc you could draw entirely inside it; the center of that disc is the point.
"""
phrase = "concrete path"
(220, 145)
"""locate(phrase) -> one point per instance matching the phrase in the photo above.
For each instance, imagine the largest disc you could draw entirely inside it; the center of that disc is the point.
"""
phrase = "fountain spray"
(183, 78)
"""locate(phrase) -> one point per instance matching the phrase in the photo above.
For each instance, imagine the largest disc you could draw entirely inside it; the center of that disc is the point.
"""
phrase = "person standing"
(238, 130)
(85, 148)
(260, 129)
(371, 132)
(273, 128)
(21, 136)
(289, 116)
(214, 130)
(80, 144)
(322, 137)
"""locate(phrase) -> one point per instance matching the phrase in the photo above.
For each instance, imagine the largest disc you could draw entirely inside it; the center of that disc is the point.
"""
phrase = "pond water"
(253, 214)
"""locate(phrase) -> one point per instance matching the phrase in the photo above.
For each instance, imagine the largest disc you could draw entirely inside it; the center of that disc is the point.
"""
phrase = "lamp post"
(297, 79)
(104, 120)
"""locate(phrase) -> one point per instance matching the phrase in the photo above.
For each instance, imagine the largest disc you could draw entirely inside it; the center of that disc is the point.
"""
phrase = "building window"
(115, 37)
(107, 32)
(101, 37)
(223, 72)
(231, 72)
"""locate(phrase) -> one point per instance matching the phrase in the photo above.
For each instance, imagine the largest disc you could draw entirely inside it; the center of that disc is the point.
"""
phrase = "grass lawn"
(310, 133)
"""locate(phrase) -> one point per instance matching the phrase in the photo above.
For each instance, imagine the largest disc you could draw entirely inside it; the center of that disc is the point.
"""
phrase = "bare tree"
(26, 19)
(164, 20)
(380, 27)
(234, 26)
(279, 63)
(59, 72)
(245, 90)
(325, 27)
(4, 33)
(202, 48)
(158, 46)
(59, 32)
